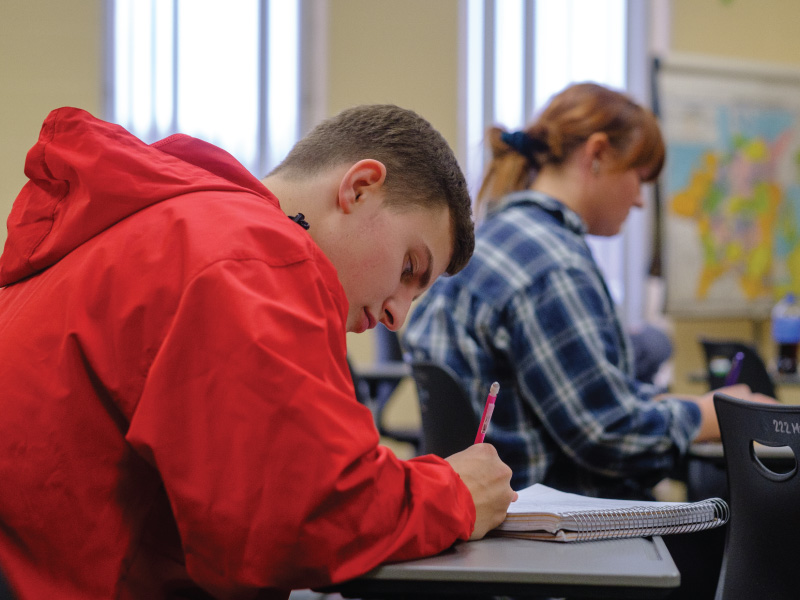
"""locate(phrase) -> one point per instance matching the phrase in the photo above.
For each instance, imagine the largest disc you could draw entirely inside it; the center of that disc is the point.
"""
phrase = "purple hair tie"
(523, 143)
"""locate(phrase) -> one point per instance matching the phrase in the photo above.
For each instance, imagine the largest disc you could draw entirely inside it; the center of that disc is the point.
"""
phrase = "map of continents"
(733, 210)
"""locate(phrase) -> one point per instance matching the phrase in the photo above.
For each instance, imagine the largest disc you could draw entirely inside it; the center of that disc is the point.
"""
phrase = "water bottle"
(786, 332)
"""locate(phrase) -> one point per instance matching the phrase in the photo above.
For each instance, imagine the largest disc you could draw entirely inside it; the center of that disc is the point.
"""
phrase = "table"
(787, 379)
(621, 568)
(376, 383)
(391, 370)
(375, 375)
(707, 476)
(714, 451)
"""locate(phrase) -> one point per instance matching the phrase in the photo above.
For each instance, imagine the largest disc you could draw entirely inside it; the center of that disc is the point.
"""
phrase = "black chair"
(389, 355)
(719, 354)
(652, 347)
(449, 421)
(764, 526)
(707, 477)
(374, 388)
(5, 589)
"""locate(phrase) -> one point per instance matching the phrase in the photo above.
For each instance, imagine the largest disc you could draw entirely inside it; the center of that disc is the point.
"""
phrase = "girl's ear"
(360, 182)
(597, 152)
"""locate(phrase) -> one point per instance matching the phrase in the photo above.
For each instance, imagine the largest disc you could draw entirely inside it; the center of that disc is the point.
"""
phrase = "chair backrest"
(449, 422)
(374, 391)
(387, 350)
(719, 354)
(387, 345)
(5, 589)
(764, 529)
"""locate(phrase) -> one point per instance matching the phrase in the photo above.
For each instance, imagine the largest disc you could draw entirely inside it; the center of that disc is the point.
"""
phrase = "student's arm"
(709, 426)
(272, 467)
(566, 346)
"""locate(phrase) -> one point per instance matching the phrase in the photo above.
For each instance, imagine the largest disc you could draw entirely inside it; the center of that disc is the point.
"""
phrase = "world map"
(732, 205)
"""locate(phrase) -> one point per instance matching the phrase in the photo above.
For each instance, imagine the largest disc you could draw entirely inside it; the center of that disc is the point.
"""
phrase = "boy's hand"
(488, 480)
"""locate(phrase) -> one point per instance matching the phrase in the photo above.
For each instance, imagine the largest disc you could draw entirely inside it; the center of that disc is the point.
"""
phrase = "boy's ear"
(359, 181)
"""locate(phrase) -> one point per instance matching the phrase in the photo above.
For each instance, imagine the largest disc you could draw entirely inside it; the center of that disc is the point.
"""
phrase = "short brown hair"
(421, 169)
(567, 122)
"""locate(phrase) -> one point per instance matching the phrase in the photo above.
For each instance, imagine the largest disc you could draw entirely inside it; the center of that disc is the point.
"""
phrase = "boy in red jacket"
(177, 410)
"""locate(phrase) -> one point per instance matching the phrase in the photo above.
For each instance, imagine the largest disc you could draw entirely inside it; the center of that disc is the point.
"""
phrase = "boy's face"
(387, 258)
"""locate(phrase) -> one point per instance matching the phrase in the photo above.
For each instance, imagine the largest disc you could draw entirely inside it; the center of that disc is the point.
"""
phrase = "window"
(518, 53)
(230, 73)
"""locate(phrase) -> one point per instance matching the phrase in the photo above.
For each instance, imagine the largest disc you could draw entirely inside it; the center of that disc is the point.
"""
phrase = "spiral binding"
(636, 521)
(640, 521)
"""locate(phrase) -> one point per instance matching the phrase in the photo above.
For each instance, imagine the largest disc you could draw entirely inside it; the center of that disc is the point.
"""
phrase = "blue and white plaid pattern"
(532, 311)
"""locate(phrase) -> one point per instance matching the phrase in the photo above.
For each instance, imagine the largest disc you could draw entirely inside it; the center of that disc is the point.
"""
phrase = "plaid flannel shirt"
(532, 311)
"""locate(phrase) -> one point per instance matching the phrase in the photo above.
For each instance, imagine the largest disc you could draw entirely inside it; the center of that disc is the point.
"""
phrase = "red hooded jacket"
(176, 407)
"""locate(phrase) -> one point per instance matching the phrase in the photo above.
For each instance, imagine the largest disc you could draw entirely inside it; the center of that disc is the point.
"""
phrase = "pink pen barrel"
(488, 408)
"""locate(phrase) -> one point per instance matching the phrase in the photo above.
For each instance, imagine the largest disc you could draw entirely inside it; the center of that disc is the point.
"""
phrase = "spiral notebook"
(542, 513)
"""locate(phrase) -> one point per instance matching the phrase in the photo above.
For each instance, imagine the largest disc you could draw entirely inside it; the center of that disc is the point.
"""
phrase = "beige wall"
(754, 30)
(403, 53)
(763, 30)
(51, 55)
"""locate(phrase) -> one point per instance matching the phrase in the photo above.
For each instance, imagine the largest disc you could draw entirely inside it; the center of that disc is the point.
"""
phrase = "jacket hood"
(86, 174)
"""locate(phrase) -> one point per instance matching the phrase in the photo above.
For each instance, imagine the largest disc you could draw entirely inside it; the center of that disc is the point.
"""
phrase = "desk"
(375, 383)
(387, 370)
(707, 473)
(714, 451)
(621, 568)
(779, 378)
(378, 375)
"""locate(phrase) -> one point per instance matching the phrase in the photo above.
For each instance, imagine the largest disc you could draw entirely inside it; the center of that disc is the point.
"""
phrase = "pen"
(736, 367)
(487, 412)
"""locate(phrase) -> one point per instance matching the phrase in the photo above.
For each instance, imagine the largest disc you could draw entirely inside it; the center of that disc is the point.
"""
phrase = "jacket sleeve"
(272, 467)
(568, 346)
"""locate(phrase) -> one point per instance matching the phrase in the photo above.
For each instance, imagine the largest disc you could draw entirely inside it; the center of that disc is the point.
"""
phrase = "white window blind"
(230, 73)
(518, 53)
